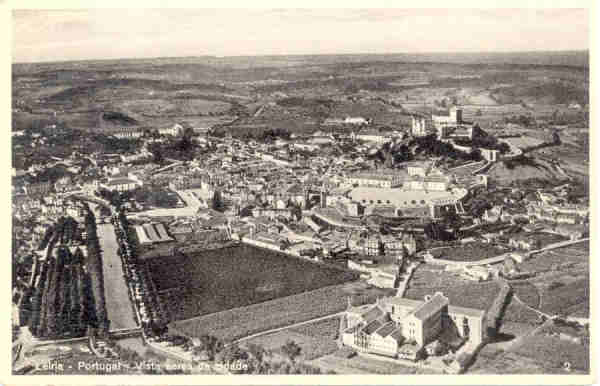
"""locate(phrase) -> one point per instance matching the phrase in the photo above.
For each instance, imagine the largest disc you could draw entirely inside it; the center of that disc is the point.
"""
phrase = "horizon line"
(314, 54)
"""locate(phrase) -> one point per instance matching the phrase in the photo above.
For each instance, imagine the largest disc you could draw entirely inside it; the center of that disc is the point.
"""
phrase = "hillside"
(506, 172)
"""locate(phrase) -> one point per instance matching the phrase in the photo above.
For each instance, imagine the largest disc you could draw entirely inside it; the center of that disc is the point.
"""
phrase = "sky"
(57, 35)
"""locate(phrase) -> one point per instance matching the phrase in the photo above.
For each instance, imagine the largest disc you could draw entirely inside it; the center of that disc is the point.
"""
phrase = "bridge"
(122, 333)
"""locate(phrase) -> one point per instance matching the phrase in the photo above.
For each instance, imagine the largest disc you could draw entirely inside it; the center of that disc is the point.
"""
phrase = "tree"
(556, 138)
(291, 350)
(217, 201)
(453, 221)
(211, 345)
(232, 353)
(258, 352)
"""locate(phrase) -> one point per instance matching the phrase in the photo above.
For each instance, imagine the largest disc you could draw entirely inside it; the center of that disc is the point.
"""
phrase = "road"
(500, 258)
(118, 304)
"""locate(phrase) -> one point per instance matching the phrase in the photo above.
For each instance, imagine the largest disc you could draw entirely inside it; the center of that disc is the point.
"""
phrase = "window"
(466, 329)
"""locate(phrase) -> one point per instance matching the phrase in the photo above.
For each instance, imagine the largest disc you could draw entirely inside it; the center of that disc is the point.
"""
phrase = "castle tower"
(455, 114)
(306, 197)
(418, 126)
(323, 198)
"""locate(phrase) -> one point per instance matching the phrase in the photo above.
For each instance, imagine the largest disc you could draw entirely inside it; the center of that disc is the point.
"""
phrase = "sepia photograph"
(300, 191)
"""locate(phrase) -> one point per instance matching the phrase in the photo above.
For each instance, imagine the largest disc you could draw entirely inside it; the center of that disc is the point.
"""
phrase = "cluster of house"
(302, 203)
(539, 213)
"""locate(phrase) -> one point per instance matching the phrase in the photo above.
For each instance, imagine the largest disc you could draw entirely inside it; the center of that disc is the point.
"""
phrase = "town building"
(127, 132)
(371, 136)
(122, 184)
(152, 233)
(490, 155)
(356, 121)
(38, 188)
(449, 124)
(173, 131)
(374, 179)
(401, 328)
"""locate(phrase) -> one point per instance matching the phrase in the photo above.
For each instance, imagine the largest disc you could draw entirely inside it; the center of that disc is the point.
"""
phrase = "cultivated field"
(471, 252)
(561, 283)
(535, 351)
(211, 281)
(152, 107)
(239, 322)
(362, 365)
(552, 352)
(527, 293)
(461, 292)
(315, 339)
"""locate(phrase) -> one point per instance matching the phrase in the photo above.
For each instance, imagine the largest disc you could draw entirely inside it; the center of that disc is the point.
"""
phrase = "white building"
(381, 180)
(174, 130)
(419, 126)
(356, 121)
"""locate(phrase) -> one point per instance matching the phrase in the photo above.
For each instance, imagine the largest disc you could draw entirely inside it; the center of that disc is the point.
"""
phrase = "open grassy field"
(243, 321)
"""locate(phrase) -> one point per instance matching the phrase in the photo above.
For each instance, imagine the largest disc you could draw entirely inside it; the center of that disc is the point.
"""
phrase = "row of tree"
(62, 305)
(94, 267)
(257, 359)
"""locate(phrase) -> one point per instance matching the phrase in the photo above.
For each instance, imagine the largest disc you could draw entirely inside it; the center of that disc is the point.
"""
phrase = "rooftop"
(437, 302)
